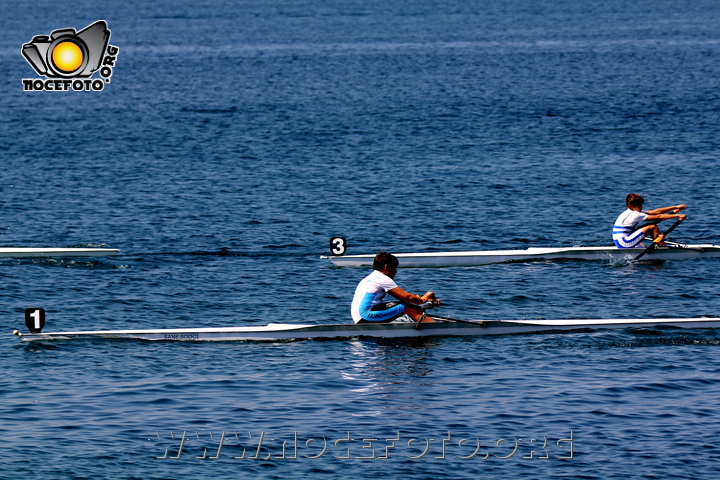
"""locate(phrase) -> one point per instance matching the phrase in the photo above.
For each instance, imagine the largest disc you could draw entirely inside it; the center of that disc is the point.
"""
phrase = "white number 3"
(338, 245)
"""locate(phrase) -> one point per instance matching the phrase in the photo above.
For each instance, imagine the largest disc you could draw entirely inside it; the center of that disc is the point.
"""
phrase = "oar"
(456, 320)
(433, 304)
(657, 240)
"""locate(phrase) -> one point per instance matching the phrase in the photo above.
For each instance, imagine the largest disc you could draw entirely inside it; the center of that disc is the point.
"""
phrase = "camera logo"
(66, 57)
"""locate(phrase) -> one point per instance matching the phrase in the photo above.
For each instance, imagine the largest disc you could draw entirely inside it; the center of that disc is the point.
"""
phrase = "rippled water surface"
(236, 138)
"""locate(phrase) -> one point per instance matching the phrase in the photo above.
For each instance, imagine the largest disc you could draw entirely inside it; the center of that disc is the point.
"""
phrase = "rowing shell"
(471, 259)
(281, 331)
(27, 252)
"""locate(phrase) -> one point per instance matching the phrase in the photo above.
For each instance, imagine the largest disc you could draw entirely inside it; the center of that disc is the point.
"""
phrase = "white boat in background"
(442, 327)
(673, 251)
(30, 252)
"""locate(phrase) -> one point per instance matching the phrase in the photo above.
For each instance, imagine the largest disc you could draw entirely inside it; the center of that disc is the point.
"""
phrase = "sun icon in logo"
(67, 56)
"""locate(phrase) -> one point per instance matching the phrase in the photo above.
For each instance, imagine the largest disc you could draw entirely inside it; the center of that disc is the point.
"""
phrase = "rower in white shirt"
(625, 232)
(367, 305)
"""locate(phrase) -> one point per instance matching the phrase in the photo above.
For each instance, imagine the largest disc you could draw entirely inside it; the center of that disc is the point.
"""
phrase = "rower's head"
(386, 263)
(634, 200)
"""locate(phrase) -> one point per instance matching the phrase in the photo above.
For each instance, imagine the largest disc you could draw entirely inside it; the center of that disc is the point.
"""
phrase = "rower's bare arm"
(666, 216)
(660, 211)
(408, 297)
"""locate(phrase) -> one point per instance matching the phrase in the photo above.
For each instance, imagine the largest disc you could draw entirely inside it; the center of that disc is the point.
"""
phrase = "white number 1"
(36, 316)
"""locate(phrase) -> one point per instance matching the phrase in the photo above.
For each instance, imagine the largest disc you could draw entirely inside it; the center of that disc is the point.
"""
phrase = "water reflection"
(397, 373)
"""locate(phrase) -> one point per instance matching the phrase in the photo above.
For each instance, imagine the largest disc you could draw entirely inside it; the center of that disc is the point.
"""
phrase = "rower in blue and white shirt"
(625, 232)
(367, 305)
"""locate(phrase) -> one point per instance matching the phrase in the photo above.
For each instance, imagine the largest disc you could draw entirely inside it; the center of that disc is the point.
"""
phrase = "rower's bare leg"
(417, 315)
(653, 231)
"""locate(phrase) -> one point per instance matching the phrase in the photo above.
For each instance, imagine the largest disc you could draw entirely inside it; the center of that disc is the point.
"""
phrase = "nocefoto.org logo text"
(68, 59)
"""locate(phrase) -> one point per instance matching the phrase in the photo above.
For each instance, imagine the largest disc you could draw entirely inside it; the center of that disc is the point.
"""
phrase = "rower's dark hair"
(634, 200)
(384, 258)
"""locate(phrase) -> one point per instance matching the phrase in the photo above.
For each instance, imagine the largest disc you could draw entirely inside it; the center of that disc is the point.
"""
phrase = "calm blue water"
(236, 138)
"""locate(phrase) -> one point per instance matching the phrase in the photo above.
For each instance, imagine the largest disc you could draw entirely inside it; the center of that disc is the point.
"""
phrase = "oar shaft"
(672, 227)
(434, 303)
(657, 240)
